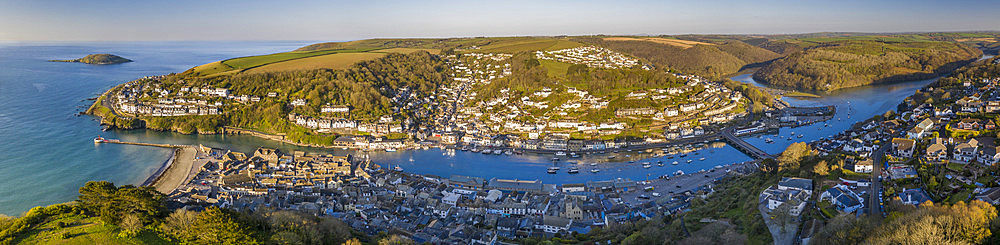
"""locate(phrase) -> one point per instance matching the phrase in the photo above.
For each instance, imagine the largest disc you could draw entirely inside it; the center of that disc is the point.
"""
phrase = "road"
(877, 161)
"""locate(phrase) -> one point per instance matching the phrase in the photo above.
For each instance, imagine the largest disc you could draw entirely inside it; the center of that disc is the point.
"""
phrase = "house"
(989, 155)
(965, 152)
(507, 185)
(776, 197)
(914, 196)
(991, 196)
(937, 151)
(921, 129)
(843, 198)
(969, 124)
(789, 183)
(863, 166)
(903, 147)
(554, 224)
(902, 172)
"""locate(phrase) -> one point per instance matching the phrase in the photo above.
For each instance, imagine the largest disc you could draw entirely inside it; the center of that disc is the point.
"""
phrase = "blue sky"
(111, 20)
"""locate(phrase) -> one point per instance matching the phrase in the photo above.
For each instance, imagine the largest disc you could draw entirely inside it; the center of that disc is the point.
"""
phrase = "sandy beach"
(179, 172)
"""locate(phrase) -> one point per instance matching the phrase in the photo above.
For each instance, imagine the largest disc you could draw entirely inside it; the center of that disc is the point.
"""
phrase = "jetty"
(744, 146)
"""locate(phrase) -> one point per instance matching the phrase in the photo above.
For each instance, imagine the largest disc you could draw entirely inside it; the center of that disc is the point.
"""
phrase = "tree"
(792, 156)
(821, 168)
(396, 240)
(131, 225)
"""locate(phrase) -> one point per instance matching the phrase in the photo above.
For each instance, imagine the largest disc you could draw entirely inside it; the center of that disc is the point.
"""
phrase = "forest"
(717, 60)
(850, 63)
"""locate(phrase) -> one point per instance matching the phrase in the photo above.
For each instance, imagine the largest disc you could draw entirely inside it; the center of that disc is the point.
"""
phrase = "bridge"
(743, 146)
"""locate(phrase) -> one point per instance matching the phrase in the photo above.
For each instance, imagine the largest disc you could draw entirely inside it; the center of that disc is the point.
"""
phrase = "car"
(656, 194)
(643, 197)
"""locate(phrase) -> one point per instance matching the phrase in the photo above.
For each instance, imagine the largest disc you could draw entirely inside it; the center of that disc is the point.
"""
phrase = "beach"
(178, 171)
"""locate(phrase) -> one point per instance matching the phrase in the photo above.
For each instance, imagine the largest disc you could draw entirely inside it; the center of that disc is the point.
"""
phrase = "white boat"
(560, 153)
(508, 152)
(679, 172)
(675, 163)
(390, 149)
(574, 170)
(553, 170)
(487, 151)
(701, 159)
(645, 166)
(398, 169)
(689, 161)
(497, 152)
(595, 170)
(593, 164)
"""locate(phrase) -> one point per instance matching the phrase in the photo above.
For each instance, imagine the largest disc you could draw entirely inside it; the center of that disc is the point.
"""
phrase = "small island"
(98, 59)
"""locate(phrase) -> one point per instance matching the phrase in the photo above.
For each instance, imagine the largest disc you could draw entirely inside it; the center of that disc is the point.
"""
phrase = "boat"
(398, 168)
(611, 157)
(574, 155)
(701, 159)
(800, 136)
(674, 163)
(679, 172)
(99, 140)
(593, 164)
(497, 152)
(768, 140)
(554, 159)
(684, 155)
(465, 148)
(793, 133)
(560, 153)
(595, 170)
(574, 170)
(660, 161)
(689, 161)
(474, 150)
(390, 149)
(553, 170)
(487, 151)
(645, 166)
(696, 153)
(670, 157)
(660, 164)
(508, 152)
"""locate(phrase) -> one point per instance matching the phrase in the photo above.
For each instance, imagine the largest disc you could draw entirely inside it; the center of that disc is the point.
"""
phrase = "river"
(46, 151)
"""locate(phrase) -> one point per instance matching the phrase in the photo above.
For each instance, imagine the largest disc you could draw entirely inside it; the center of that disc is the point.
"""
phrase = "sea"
(47, 150)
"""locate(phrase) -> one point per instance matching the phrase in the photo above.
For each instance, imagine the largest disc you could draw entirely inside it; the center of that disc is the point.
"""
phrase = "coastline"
(152, 179)
(177, 171)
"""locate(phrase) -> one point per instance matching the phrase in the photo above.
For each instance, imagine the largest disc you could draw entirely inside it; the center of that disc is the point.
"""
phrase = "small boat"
(552, 170)
(684, 155)
(611, 157)
(768, 140)
(398, 169)
(689, 161)
(390, 149)
(555, 159)
(660, 161)
(99, 140)
(674, 163)
(679, 172)
(645, 166)
(574, 170)
(593, 164)
(574, 155)
(701, 159)
(793, 133)
(630, 161)
(800, 136)
(474, 150)
(660, 164)
(508, 152)
(595, 170)
(465, 148)
(497, 152)
(487, 151)
(670, 157)
(560, 153)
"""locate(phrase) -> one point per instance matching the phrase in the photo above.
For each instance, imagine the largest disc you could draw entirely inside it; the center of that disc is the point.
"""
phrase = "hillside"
(713, 59)
(98, 59)
(827, 65)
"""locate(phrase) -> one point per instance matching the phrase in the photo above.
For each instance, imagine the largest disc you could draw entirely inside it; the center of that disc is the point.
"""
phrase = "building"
(965, 152)
(506, 185)
(937, 151)
(843, 198)
(805, 185)
(903, 148)
(914, 196)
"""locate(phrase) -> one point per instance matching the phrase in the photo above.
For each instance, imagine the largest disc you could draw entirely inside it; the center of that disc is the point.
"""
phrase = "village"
(934, 151)
(454, 209)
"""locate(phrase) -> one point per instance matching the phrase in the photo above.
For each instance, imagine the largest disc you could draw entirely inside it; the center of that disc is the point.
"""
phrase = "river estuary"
(46, 150)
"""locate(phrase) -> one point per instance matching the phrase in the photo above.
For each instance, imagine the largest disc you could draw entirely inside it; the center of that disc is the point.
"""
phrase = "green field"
(555, 68)
(83, 230)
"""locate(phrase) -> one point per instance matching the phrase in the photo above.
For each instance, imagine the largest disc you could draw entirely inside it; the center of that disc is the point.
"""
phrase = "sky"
(117, 20)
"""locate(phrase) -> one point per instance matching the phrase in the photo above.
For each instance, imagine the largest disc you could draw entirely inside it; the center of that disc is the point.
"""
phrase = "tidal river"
(47, 152)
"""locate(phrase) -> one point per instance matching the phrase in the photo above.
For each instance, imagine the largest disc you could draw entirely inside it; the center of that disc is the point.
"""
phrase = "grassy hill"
(827, 64)
(98, 59)
(80, 229)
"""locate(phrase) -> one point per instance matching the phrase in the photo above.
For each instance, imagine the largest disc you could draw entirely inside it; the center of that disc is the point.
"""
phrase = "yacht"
(674, 163)
(595, 170)
(701, 159)
(574, 170)
(553, 170)
(487, 151)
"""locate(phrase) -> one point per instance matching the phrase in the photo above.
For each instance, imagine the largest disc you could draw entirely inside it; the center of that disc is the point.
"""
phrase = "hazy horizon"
(185, 20)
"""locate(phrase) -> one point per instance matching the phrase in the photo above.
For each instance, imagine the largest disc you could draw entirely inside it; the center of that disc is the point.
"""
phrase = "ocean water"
(47, 151)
